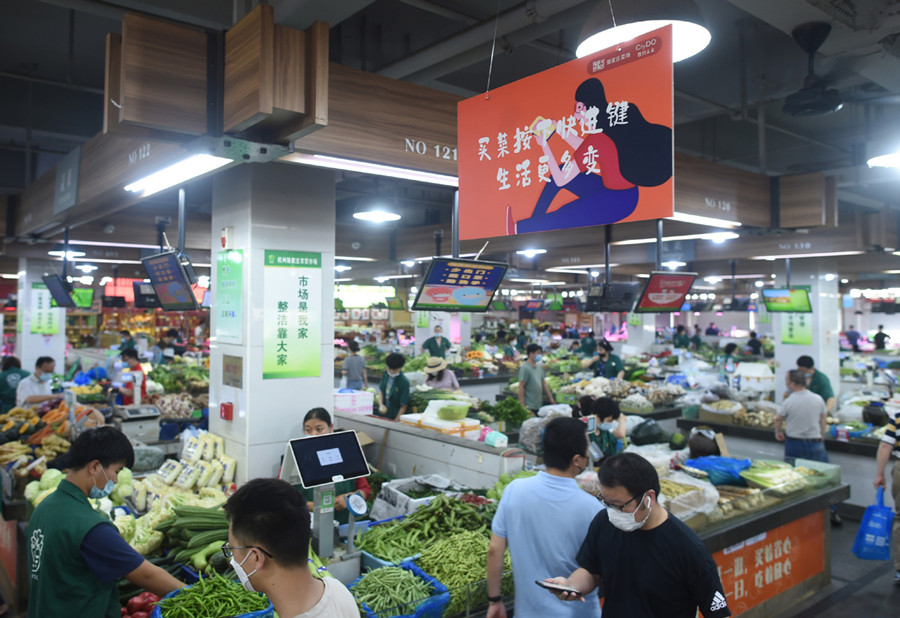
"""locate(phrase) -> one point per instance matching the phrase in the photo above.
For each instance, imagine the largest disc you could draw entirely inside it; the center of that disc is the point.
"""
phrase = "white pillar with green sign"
(272, 314)
(813, 334)
(40, 328)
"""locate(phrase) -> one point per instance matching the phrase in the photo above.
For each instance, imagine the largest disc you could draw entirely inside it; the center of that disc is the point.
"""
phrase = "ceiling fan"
(815, 98)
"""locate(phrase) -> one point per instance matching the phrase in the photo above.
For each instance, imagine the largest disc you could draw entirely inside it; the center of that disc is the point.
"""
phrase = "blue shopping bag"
(873, 541)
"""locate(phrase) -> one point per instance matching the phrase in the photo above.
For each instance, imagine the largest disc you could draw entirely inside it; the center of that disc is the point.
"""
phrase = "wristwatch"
(495, 599)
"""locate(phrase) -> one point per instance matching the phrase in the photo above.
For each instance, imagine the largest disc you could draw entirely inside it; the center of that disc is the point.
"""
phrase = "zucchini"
(205, 538)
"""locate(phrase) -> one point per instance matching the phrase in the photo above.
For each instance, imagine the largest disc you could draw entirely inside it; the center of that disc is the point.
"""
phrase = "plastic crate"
(858, 433)
(430, 607)
(370, 561)
(269, 612)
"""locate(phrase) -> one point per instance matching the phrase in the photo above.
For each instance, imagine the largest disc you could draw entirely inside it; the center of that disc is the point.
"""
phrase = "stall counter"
(402, 450)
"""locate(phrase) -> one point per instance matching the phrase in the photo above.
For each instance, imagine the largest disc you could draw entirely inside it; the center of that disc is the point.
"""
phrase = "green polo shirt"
(62, 583)
(398, 397)
(9, 381)
(696, 341)
(821, 386)
(608, 369)
(588, 346)
(435, 347)
(533, 378)
(681, 340)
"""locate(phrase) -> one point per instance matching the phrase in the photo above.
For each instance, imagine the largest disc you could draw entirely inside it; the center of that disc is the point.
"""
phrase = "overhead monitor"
(794, 300)
(328, 458)
(112, 302)
(83, 297)
(207, 299)
(611, 297)
(144, 295)
(664, 292)
(170, 281)
(533, 305)
(459, 285)
(59, 290)
(499, 305)
(395, 303)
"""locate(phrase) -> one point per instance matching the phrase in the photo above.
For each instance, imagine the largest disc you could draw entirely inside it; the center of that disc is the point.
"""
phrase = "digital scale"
(319, 462)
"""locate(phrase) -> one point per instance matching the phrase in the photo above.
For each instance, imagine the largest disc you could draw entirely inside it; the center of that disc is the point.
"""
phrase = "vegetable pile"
(496, 492)
(212, 597)
(458, 562)
(181, 378)
(140, 606)
(391, 587)
(510, 410)
(194, 536)
(399, 539)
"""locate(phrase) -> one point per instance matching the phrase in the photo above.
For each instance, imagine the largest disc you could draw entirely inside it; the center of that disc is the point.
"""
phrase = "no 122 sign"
(421, 147)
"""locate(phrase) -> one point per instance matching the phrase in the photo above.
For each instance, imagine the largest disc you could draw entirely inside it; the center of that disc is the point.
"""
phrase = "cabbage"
(125, 477)
(43, 495)
(126, 525)
(51, 478)
(32, 490)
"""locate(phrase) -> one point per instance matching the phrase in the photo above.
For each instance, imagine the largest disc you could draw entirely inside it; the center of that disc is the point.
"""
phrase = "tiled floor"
(858, 589)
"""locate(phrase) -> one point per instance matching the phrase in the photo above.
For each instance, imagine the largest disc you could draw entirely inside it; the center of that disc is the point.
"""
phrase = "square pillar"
(34, 314)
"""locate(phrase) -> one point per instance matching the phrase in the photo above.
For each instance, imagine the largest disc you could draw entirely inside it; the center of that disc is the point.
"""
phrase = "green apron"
(62, 583)
(341, 488)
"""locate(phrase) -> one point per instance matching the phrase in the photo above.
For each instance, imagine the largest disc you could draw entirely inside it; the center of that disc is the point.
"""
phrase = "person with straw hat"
(439, 376)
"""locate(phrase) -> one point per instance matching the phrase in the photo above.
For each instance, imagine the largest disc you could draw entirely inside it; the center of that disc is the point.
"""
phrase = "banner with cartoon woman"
(586, 143)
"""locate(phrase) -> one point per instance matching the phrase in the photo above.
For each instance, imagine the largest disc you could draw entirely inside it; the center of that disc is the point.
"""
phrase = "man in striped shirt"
(889, 450)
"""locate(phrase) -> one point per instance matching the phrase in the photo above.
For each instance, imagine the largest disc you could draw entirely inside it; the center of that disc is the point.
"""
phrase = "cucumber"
(205, 538)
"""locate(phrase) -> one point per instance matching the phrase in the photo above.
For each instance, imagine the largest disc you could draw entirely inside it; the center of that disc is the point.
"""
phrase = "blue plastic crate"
(431, 607)
(853, 434)
(269, 612)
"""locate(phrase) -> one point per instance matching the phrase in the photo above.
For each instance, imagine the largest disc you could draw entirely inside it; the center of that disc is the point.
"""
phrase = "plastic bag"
(559, 409)
(685, 506)
(873, 541)
(589, 482)
(343, 382)
(722, 470)
(657, 454)
(649, 432)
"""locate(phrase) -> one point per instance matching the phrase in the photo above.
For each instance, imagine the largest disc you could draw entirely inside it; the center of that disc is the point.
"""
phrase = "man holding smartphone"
(542, 520)
(647, 562)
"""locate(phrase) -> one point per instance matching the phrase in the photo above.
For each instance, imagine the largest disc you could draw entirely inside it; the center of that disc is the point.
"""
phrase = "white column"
(641, 334)
(821, 277)
(30, 346)
(283, 207)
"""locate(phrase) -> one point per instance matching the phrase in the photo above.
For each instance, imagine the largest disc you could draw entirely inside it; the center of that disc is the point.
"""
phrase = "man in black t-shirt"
(646, 562)
(880, 338)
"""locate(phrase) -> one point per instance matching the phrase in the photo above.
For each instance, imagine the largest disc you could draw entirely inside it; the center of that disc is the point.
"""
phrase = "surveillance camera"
(109, 228)
(355, 246)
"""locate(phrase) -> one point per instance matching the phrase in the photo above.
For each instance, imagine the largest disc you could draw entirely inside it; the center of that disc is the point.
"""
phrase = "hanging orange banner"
(763, 566)
(586, 143)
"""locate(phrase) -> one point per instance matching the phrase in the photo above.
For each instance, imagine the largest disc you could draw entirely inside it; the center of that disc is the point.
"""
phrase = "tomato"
(124, 612)
(140, 615)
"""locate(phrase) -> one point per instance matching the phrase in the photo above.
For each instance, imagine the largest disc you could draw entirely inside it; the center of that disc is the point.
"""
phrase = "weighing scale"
(138, 421)
(319, 462)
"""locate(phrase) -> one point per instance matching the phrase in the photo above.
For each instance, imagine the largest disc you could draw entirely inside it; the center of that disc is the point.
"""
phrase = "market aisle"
(858, 587)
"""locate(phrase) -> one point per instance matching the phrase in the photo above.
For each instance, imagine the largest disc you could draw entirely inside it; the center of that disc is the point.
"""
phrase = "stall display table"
(402, 450)
(856, 457)
(773, 558)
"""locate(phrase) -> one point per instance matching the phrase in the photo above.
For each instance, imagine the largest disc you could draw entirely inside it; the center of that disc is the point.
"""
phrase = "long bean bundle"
(212, 597)
(391, 587)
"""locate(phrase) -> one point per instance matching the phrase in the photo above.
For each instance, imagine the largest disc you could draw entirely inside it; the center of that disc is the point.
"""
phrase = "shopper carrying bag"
(873, 541)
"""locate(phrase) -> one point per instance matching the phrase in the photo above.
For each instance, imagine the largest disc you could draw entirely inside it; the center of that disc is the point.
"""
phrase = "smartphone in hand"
(553, 587)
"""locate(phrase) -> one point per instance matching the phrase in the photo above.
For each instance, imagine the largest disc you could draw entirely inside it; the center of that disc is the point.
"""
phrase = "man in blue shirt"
(543, 520)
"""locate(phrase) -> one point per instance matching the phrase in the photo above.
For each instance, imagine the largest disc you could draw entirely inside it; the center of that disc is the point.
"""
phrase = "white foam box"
(357, 402)
(464, 428)
(392, 494)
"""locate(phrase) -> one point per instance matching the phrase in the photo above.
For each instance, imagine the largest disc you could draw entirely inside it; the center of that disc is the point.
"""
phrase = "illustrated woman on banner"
(616, 151)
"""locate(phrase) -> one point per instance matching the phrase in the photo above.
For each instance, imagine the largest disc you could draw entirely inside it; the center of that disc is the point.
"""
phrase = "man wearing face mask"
(532, 380)
(35, 389)
(437, 345)
(268, 544)
(645, 562)
(542, 520)
(393, 391)
(76, 556)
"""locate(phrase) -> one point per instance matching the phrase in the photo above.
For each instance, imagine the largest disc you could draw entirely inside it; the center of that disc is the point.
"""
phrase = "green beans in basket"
(390, 587)
(212, 597)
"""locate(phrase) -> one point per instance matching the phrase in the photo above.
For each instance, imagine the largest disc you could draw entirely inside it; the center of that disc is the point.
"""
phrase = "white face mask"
(626, 521)
(242, 575)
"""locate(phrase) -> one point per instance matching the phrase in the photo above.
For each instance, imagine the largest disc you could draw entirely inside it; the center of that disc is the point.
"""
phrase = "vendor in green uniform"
(76, 557)
(11, 373)
(393, 392)
(316, 422)
(589, 345)
(696, 340)
(128, 342)
(817, 382)
(729, 351)
(610, 426)
(680, 340)
(606, 364)
(437, 345)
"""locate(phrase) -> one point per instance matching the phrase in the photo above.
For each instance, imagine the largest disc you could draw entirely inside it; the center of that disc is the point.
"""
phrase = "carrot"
(38, 436)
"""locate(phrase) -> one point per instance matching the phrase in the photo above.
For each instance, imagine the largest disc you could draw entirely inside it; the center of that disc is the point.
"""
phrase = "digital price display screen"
(499, 305)
(665, 292)
(533, 305)
(395, 303)
(329, 458)
(83, 298)
(459, 285)
(170, 282)
(144, 295)
(59, 291)
(787, 300)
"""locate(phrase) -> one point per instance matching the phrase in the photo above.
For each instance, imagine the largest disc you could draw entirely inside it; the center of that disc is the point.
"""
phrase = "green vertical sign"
(292, 314)
(422, 319)
(634, 319)
(796, 328)
(229, 296)
(44, 317)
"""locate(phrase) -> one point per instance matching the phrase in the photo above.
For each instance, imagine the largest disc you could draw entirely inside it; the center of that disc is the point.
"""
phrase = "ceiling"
(51, 85)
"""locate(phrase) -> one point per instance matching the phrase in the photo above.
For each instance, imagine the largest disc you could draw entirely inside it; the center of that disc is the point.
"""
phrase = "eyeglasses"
(228, 550)
(619, 507)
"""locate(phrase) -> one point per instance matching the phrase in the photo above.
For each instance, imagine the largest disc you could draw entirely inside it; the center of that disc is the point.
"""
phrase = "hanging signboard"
(229, 296)
(66, 194)
(44, 317)
(766, 565)
(292, 322)
(585, 143)
(454, 284)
